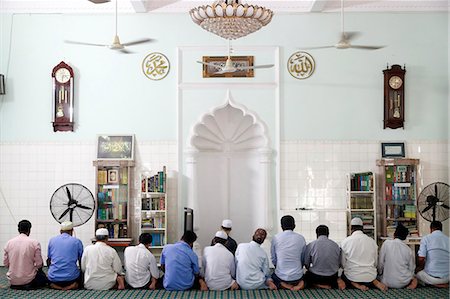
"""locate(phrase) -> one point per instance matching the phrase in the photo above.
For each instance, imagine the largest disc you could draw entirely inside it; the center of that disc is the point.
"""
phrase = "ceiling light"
(230, 19)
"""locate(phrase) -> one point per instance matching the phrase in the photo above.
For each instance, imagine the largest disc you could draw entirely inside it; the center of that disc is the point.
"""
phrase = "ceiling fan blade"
(139, 41)
(209, 64)
(125, 51)
(366, 47)
(64, 214)
(84, 44)
(349, 35)
(314, 48)
(83, 207)
(427, 208)
(262, 66)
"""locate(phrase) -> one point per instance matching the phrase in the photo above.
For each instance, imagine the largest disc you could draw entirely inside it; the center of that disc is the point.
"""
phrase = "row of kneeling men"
(226, 265)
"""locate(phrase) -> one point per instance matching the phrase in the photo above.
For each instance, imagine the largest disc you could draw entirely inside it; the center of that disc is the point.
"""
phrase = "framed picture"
(115, 147)
(113, 176)
(392, 150)
(210, 71)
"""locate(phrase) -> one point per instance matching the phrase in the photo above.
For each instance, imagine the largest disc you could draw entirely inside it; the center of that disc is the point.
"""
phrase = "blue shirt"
(181, 266)
(64, 251)
(287, 252)
(435, 249)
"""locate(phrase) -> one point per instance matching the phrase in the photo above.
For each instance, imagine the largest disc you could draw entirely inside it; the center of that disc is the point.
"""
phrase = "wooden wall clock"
(62, 115)
(394, 97)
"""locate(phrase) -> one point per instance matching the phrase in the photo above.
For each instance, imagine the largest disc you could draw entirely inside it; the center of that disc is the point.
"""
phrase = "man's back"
(100, 264)
(181, 266)
(396, 263)
(252, 265)
(219, 266)
(64, 251)
(23, 258)
(322, 256)
(435, 248)
(140, 265)
(287, 252)
(359, 257)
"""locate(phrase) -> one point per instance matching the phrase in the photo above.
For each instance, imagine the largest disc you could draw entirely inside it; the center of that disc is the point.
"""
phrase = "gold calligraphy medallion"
(301, 65)
(155, 66)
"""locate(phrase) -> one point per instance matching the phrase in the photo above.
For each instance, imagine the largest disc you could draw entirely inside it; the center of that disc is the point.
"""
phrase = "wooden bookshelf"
(398, 195)
(361, 201)
(113, 180)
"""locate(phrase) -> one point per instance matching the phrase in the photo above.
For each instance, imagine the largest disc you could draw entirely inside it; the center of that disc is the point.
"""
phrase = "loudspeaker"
(188, 219)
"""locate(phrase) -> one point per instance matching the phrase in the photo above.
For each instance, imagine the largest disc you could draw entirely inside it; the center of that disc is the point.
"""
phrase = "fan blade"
(349, 35)
(314, 48)
(366, 47)
(64, 214)
(68, 194)
(436, 190)
(125, 51)
(71, 215)
(209, 64)
(263, 66)
(85, 44)
(427, 208)
(84, 207)
(445, 206)
(139, 41)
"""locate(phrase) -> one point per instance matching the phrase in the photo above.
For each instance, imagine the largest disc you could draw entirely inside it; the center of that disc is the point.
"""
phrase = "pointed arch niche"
(228, 168)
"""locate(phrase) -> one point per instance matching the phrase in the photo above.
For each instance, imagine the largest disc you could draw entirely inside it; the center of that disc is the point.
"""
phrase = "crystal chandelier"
(230, 19)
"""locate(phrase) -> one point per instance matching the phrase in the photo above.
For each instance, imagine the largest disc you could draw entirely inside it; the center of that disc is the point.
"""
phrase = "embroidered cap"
(227, 223)
(221, 234)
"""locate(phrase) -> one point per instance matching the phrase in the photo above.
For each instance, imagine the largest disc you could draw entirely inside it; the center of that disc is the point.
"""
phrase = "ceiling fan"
(229, 67)
(345, 39)
(116, 44)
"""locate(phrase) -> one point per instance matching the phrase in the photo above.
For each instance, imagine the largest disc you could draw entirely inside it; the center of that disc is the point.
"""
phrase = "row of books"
(400, 191)
(112, 192)
(116, 230)
(153, 220)
(154, 203)
(361, 181)
(112, 176)
(400, 173)
(361, 202)
(156, 183)
(158, 239)
(401, 211)
(112, 212)
(413, 231)
(366, 217)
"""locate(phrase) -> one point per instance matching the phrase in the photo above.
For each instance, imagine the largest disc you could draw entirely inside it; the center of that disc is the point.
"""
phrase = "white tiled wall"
(313, 175)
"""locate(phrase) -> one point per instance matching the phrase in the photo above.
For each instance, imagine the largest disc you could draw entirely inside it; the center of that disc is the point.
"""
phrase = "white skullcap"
(66, 225)
(227, 223)
(356, 221)
(102, 232)
(221, 234)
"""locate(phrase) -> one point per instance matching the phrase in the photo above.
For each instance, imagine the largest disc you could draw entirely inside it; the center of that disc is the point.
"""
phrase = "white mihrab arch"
(228, 167)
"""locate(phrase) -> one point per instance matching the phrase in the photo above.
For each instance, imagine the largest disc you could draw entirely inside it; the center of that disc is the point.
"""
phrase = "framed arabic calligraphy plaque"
(155, 66)
(115, 147)
(301, 65)
(216, 63)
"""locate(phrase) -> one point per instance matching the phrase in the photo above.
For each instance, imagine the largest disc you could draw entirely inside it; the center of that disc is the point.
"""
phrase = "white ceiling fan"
(229, 67)
(345, 39)
(116, 44)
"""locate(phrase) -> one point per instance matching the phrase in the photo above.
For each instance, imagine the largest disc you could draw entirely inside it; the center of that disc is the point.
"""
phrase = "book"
(102, 177)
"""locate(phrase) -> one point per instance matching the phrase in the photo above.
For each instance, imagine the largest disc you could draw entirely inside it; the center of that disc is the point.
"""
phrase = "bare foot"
(359, 286)
(271, 285)
(379, 285)
(299, 286)
(120, 282)
(234, 286)
(441, 285)
(286, 286)
(322, 286)
(55, 286)
(413, 284)
(341, 284)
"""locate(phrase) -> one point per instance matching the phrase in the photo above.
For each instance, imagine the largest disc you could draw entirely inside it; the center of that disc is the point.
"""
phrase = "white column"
(266, 166)
(192, 188)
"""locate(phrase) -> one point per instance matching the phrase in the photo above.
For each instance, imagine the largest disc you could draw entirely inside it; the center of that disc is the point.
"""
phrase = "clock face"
(62, 75)
(395, 82)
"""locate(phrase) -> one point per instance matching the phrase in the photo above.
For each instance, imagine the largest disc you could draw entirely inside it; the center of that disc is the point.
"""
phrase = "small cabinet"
(113, 179)
(361, 195)
(153, 212)
(398, 195)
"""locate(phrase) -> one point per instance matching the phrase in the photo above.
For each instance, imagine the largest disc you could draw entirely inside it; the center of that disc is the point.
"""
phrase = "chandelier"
(230, 19)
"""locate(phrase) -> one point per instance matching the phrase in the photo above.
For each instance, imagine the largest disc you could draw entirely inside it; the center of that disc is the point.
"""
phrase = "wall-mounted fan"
(433, 202)
(229, 67)
(72, 202)
(345, 38)
(116, 44)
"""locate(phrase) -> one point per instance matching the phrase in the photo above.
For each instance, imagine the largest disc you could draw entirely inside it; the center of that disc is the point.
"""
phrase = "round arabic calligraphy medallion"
(155, 66)
(301, 65)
